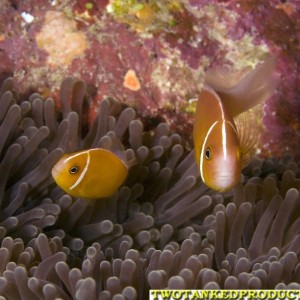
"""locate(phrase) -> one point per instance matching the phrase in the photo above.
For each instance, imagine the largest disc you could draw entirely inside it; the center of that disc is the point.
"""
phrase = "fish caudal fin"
(240, 93)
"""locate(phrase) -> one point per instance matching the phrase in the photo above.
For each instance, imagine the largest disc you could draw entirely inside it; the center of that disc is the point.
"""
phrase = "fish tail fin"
(239, 95)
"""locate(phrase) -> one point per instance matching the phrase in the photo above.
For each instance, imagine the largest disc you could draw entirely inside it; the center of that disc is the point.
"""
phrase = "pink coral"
(169, 59)
(60, 39)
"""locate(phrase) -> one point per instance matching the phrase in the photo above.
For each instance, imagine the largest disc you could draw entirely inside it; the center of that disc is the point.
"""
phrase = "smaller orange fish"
(224, 138)
(94, 173)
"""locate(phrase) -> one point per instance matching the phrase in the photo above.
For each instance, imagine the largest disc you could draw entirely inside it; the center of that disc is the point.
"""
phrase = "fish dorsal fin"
(222, 79)
(240, 92)
(248, 132)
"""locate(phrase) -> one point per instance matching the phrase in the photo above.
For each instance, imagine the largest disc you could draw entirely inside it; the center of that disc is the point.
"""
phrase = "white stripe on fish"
(80, 178)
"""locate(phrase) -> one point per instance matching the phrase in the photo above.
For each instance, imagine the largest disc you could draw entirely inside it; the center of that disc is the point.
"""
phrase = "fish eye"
(208, 153)
(73, 170)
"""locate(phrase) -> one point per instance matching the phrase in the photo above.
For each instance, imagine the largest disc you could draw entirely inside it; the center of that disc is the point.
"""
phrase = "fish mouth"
(224, 183)
(223, 190)
(54, 172)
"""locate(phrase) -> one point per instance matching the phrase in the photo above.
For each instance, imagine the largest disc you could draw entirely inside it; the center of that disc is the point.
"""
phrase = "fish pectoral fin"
(248, 129)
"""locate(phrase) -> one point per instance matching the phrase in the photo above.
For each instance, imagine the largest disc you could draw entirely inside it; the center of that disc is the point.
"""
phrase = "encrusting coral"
(166, 46)
(163, 229)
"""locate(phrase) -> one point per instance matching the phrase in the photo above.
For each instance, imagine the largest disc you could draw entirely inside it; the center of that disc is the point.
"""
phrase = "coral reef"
(168, 44)
(163, 229)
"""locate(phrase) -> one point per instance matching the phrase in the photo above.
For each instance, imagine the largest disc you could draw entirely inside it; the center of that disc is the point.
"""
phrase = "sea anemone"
(162, 229)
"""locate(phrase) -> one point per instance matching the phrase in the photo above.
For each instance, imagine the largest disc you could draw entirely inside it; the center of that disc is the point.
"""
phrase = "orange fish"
(224, 139)
(94, 173)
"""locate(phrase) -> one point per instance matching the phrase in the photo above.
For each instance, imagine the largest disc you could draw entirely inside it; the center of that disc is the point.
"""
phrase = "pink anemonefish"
(224, 139)
(94, 173)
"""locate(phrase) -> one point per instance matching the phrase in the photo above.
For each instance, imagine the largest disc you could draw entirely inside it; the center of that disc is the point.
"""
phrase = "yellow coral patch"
(60, 38)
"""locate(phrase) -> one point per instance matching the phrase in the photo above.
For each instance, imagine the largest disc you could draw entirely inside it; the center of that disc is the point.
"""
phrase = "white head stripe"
(83, 171)
(75, 155)
(203, 148)
(224, 137)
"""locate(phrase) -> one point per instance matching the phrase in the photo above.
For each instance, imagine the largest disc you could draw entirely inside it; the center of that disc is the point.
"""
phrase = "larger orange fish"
(223, 145)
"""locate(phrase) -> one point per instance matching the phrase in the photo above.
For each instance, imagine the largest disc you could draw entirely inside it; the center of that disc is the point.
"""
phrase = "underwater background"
(83, 74)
